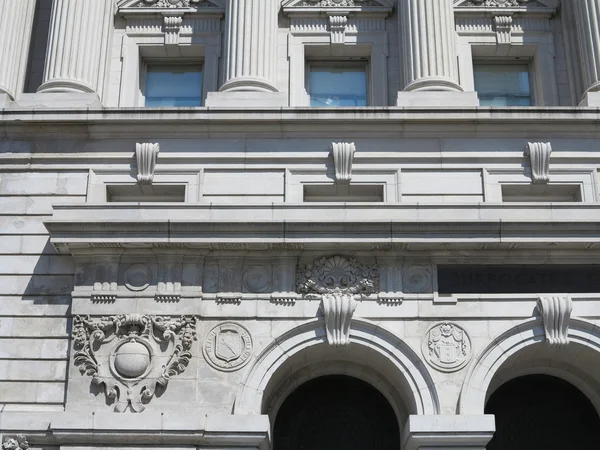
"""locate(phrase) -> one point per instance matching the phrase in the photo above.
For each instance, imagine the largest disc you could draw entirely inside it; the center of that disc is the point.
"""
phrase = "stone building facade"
(224, 263)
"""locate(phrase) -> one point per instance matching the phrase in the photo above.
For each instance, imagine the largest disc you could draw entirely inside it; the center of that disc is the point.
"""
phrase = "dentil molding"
(126, 354)
(336, 281)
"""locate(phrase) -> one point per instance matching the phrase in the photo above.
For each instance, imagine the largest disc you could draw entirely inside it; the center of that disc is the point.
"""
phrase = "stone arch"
(400, 375)
(482, 376)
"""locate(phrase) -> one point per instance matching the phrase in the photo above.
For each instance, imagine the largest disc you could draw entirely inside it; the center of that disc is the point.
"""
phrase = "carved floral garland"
(120, 353)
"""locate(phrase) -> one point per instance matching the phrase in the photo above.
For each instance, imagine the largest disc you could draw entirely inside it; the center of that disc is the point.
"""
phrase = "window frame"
(344, 62)
(169, 62)
(526, 62)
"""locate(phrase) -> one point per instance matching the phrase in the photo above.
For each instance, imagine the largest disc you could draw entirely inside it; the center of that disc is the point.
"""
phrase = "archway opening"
(336, 411)
(542, 412)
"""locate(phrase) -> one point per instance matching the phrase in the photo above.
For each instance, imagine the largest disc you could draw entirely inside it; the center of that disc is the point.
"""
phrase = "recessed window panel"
(337, 85)
(172, 86)
(503, 84)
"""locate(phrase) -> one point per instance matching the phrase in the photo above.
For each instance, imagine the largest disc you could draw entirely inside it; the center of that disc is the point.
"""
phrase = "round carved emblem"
(137, 277)
(446, 347)
(131, 359)
(417, 279)
(228, 347)
(257, 279)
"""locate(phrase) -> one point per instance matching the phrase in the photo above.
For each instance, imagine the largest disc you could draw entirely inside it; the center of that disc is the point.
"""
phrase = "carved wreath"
(122, 354)
(337, 274)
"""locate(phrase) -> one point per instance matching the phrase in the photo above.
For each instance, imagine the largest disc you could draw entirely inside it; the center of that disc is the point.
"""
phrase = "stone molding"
(19, 442)
(130, 355)
(343, 157)
(539, 156)
(146, 155)
(336, 280)
(556, 314)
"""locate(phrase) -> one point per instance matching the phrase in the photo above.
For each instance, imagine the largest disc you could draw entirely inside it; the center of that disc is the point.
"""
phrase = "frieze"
(497, 3)
(125, 354)
(228, 347)
(446, 347)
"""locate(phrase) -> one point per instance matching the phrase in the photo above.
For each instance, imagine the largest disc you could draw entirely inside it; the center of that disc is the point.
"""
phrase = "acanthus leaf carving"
(343, 158)
(556, 314)
(123, 353)
(19, 442)
(337, 280)
(146, 155)
(539, 155)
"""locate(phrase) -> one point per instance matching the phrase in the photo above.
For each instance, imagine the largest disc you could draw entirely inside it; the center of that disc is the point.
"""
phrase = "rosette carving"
(130, 355)
(336, 281)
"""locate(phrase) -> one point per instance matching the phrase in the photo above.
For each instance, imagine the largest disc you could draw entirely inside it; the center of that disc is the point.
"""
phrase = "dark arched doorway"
(541, 412)
(336, 412)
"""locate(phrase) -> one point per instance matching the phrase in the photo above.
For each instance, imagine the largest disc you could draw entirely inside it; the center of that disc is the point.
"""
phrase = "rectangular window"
(173, 85)
(503, 84)
(541, 193)
(337, 84)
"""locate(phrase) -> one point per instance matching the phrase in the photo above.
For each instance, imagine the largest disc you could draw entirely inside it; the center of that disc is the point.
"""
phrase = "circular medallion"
(446, 347)
(131, 359)
(137, 277)
(417, 279)
(257, 279)
(228, 347)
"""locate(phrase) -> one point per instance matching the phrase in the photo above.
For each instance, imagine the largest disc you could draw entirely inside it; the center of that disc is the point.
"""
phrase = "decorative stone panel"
(336, 280)
(130, 355)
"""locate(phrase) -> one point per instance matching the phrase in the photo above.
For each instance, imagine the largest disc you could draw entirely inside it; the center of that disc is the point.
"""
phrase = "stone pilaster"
(587, 16)
(16, 22)
(428, 54)
(78, 46)
(250, 55)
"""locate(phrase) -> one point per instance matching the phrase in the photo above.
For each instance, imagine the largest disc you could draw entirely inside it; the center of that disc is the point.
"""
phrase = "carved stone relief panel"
(130, 355)
(336, 281)
(446, 347)
(19, 442)
(228, 347)
(417, 277)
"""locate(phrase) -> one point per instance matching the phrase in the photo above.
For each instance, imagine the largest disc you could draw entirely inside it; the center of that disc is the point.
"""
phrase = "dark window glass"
(171, 86)
(502, 84)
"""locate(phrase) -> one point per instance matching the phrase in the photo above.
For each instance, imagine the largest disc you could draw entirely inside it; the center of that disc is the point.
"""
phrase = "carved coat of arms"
(228, 346)
(447, 347)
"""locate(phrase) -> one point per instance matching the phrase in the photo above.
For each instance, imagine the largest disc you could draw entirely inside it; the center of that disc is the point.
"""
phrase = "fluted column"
(428, 45)
(77, 46)
(16, 23)
(588, 25)
(251, 45)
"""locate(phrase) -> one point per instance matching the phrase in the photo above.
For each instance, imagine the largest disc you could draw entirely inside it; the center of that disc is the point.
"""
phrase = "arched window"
(334, 412)
(541, 412)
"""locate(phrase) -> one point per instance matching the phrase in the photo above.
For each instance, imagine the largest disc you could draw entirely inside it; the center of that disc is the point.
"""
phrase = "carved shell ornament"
(131, 354)
(336, 280)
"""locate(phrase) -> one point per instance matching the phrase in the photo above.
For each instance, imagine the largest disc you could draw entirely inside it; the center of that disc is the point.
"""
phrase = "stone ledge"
(78, 227)
(220, 430)
(448, 432)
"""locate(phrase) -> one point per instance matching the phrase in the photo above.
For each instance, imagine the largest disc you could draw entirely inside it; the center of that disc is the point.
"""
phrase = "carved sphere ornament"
(228, 347)
(446, 347)
(131, 354)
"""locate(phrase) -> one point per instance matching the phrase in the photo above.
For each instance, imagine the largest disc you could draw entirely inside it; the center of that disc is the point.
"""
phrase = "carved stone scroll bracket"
(343, 158)
(146, 155)
(19, 442)
(503, 27)
(172, 27)
(337, 29)
(336, 281)
(130, 355)
(556, 314)
(539, 154)
(338, 309)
